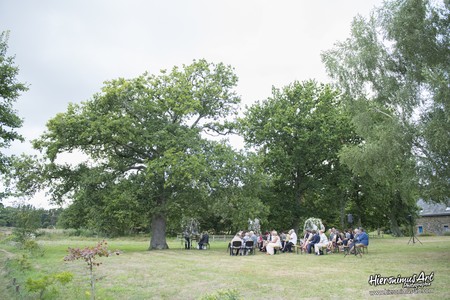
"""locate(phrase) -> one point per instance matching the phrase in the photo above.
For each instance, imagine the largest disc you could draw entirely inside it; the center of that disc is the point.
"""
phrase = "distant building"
(433, 217)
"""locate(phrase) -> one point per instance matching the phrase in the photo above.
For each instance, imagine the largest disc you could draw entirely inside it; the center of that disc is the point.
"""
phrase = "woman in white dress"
(275, 242)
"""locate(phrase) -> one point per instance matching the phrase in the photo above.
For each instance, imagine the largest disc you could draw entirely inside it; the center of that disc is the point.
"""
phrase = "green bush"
(42, 284)
(427, 234)
(223, 295)
(23, 263)
(81, 232)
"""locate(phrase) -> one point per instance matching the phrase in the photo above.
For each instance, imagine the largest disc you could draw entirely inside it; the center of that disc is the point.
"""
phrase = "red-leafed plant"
(89, 254)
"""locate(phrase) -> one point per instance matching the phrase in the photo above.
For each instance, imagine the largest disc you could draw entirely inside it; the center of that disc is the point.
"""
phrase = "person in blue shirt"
(361, 240)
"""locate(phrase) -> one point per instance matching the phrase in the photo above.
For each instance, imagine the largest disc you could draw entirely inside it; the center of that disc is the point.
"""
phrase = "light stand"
(412, 234)
(356, 249)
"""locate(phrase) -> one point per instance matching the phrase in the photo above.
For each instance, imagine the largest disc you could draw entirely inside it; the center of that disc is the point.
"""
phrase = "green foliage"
(42, 284)
(223, 295)
(33, 247)
(80, 232)
(27, 221)
(394, 71)
(297, 134)
(145, 137)
(10, 90)
(23, 262)
(427, 234)
(7, 217)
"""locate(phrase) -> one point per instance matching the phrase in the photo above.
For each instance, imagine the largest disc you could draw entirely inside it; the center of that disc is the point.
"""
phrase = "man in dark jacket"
(203, 241)
(315, 239)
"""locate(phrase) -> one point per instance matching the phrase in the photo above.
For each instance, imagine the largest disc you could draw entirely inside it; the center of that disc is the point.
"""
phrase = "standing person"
(292, 241)
(187, 240)
(275, 242)
(323, 242)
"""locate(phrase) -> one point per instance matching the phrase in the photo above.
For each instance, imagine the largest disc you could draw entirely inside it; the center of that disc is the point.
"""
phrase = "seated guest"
(292, 241)
(348, 237)
(236, 238)
(203, 241)
(314, 240)
(332, 233)
(306, 239)
(260, 243)
(246, 237)
(323, 242)
(335, 242)
(283, 238)
(361, 240)
(253, 237)
(265, 240)
(275, 242)
(284, 242)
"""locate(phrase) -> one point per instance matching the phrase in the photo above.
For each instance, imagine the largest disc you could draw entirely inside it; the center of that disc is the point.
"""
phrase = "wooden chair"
(364, 249)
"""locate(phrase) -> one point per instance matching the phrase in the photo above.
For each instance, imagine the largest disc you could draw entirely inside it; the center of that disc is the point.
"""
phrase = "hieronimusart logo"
(414, 281)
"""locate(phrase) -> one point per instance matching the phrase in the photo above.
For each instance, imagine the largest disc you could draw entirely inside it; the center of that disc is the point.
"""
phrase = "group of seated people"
(337, 240)
(313, 241)
(243, 243)
(268, 242)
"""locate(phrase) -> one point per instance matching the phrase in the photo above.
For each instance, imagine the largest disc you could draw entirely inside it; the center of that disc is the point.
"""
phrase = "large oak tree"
(144, 142)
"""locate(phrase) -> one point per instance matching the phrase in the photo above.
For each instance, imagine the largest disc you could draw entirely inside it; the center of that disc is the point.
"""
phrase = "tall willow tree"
(394, 69)
(144, 136)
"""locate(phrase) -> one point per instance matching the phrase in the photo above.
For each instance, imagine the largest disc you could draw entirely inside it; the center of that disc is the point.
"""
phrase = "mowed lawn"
(193, 274)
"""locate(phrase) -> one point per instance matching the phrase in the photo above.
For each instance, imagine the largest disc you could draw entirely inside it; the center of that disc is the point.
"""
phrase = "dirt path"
(7, 254)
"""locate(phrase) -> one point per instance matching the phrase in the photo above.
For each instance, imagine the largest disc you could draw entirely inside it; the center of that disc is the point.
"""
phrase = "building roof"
(433, 209)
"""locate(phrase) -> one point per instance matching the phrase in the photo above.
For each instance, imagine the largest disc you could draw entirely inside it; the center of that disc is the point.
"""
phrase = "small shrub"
(223, 295)
(80, 232)
(427, 234)
(89, 254)
(42, 284)
(23, 263)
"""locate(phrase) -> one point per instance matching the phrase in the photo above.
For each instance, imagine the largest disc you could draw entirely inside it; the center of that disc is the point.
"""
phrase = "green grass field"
(193, 274)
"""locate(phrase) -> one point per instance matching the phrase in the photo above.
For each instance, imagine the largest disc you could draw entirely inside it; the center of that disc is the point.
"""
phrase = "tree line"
(369, 144)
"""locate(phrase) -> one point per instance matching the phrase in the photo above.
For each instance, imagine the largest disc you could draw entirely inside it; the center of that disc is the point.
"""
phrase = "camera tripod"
(357, 250)
(413, 237)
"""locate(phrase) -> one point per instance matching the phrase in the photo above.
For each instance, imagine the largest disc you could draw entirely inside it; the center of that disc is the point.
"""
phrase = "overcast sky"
(66, 49)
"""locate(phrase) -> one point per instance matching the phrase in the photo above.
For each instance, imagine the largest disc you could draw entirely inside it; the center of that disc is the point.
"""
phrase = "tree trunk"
(158, 240)
(395, 229)
(298, 202)
(341, 212)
